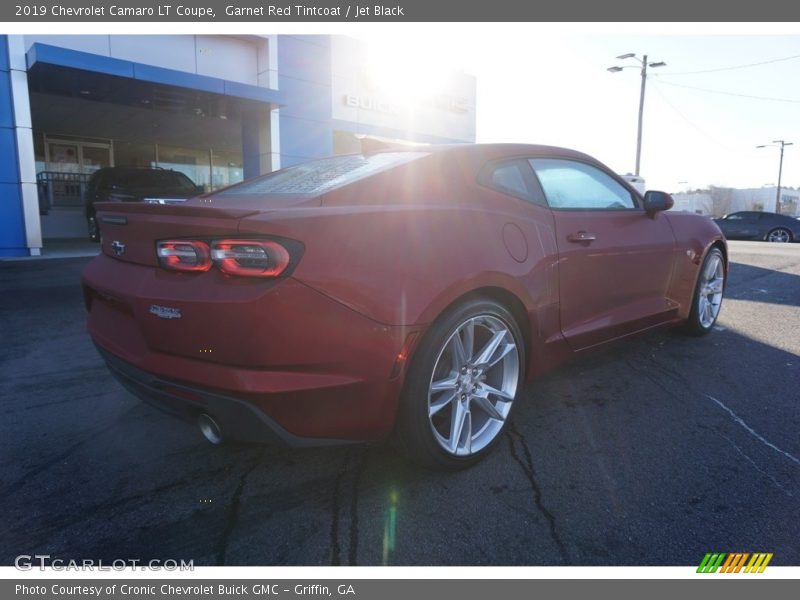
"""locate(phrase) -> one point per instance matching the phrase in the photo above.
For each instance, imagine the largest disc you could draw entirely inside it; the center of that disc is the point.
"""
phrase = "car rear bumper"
(273, 362)
(238, 419)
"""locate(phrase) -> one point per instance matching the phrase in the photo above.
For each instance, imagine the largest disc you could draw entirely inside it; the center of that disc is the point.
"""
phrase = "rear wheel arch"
(416, 433)
(503, 296)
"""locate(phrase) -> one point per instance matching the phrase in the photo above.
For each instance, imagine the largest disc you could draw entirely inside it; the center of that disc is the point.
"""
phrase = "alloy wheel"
(780, 236)
(712, 283)
(473, 385)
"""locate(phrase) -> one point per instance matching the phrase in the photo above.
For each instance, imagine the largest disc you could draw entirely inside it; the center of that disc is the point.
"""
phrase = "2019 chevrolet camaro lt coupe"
(406, 291)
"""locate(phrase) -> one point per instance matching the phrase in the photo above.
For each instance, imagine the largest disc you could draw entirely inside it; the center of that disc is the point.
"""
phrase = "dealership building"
(217, 108)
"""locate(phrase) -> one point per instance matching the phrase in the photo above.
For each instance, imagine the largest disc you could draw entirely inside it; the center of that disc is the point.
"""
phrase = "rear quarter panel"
(399, 247)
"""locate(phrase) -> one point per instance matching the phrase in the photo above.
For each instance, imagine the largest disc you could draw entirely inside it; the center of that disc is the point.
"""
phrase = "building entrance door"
(70, 163)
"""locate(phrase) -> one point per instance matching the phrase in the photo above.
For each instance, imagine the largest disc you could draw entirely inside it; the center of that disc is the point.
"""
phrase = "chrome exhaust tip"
(210, 429)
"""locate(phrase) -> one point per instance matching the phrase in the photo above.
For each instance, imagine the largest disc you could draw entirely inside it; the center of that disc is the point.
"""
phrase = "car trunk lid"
(130, 230)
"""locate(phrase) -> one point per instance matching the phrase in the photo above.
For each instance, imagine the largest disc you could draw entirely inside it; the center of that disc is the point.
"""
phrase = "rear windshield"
(145, 180)
(320, 176)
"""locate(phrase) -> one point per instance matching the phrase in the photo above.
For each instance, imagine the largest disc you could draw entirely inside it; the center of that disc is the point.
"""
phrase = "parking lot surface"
(654, 452)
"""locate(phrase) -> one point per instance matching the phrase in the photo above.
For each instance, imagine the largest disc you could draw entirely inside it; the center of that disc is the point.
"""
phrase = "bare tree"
(721, 201)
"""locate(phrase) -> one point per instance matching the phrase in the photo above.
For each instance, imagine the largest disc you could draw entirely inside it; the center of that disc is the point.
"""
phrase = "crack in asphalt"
(336, 559)
(675, 377)
(754, 464)
(359, 458)
(530, 474)
(352, 556)
(666, 372)
(27, 475)
(233, 512)
(99, 509)
(739, 421)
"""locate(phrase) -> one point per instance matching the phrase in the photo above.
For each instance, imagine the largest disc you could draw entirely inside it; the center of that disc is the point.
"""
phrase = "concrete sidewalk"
(62, 248)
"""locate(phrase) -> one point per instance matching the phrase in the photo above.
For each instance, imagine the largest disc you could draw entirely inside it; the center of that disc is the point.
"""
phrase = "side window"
(745, 217)
(571, 184)
(513, 177)
(507, 177)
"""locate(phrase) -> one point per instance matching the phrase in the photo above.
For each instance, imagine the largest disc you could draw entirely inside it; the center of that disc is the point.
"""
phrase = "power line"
(747, 66)
(699, 89)
(695, 127)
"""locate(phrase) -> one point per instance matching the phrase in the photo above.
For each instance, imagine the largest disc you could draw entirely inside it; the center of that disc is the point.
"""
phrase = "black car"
(752, 225)
(131, 184)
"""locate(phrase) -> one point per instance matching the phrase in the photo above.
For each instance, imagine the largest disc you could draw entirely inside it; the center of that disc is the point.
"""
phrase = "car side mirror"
(657, 201)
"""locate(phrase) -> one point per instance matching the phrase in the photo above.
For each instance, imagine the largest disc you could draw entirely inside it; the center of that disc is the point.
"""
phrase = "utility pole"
(782, 144)
(641, 115)
(644, 64)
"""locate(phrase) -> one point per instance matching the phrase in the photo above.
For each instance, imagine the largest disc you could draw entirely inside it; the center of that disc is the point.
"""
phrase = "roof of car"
(492, 151)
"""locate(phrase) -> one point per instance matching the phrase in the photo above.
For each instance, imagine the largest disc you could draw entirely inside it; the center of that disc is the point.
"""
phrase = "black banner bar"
(396, 589)
(286, 11)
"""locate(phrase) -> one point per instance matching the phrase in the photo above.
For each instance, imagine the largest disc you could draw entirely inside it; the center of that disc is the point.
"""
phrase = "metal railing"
(57, 189)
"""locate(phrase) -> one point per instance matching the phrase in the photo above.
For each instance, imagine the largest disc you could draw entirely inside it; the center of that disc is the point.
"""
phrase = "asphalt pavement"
(654, 452)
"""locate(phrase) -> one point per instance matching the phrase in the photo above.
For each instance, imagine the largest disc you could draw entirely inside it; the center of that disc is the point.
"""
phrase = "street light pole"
(644, 64)
(641, 115)
(783, 144)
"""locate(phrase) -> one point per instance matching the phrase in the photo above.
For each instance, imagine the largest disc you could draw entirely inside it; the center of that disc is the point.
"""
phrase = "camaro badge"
(165, 312)
(118, 248)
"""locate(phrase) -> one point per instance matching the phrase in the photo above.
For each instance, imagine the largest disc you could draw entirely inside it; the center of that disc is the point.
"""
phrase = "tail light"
(250, 258)
(244, 258)
(184, 255)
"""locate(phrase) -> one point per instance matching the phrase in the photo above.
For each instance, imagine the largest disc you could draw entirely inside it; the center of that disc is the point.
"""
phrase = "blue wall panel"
(303, 60)
(12, 230)
(251, 92)
(63, 57)
(3, 53)
(12, 219)
(178, 78)
(388, 132)
(74, 59)
(251, 158)
(9, 171)
(305, 99)
(304, 77)
(305, 137)
(6, 114)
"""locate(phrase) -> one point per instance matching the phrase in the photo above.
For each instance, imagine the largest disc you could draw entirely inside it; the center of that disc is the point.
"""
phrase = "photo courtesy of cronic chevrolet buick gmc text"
(405, 291)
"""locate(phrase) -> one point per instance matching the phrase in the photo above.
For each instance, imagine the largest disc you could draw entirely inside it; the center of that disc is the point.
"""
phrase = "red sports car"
(408, 291)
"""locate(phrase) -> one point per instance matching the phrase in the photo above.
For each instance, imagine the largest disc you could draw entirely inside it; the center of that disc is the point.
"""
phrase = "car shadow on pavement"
(748, 282)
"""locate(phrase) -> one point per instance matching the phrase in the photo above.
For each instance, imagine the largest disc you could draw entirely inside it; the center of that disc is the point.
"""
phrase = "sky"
(546, 83)
(552, 87)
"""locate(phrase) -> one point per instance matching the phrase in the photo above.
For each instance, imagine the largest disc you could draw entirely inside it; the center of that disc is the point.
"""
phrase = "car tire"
(707, 299)
(779, 235)
(462, 385)
(94, 231)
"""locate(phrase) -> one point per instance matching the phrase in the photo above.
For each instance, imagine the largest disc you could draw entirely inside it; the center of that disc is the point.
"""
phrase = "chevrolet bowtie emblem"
(118, 248)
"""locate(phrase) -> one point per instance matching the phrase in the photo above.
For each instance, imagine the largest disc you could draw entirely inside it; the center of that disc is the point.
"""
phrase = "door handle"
(581, 236)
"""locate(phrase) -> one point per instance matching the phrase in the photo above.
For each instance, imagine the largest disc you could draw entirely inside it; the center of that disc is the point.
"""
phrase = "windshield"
(151, 181)
(320, 176)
